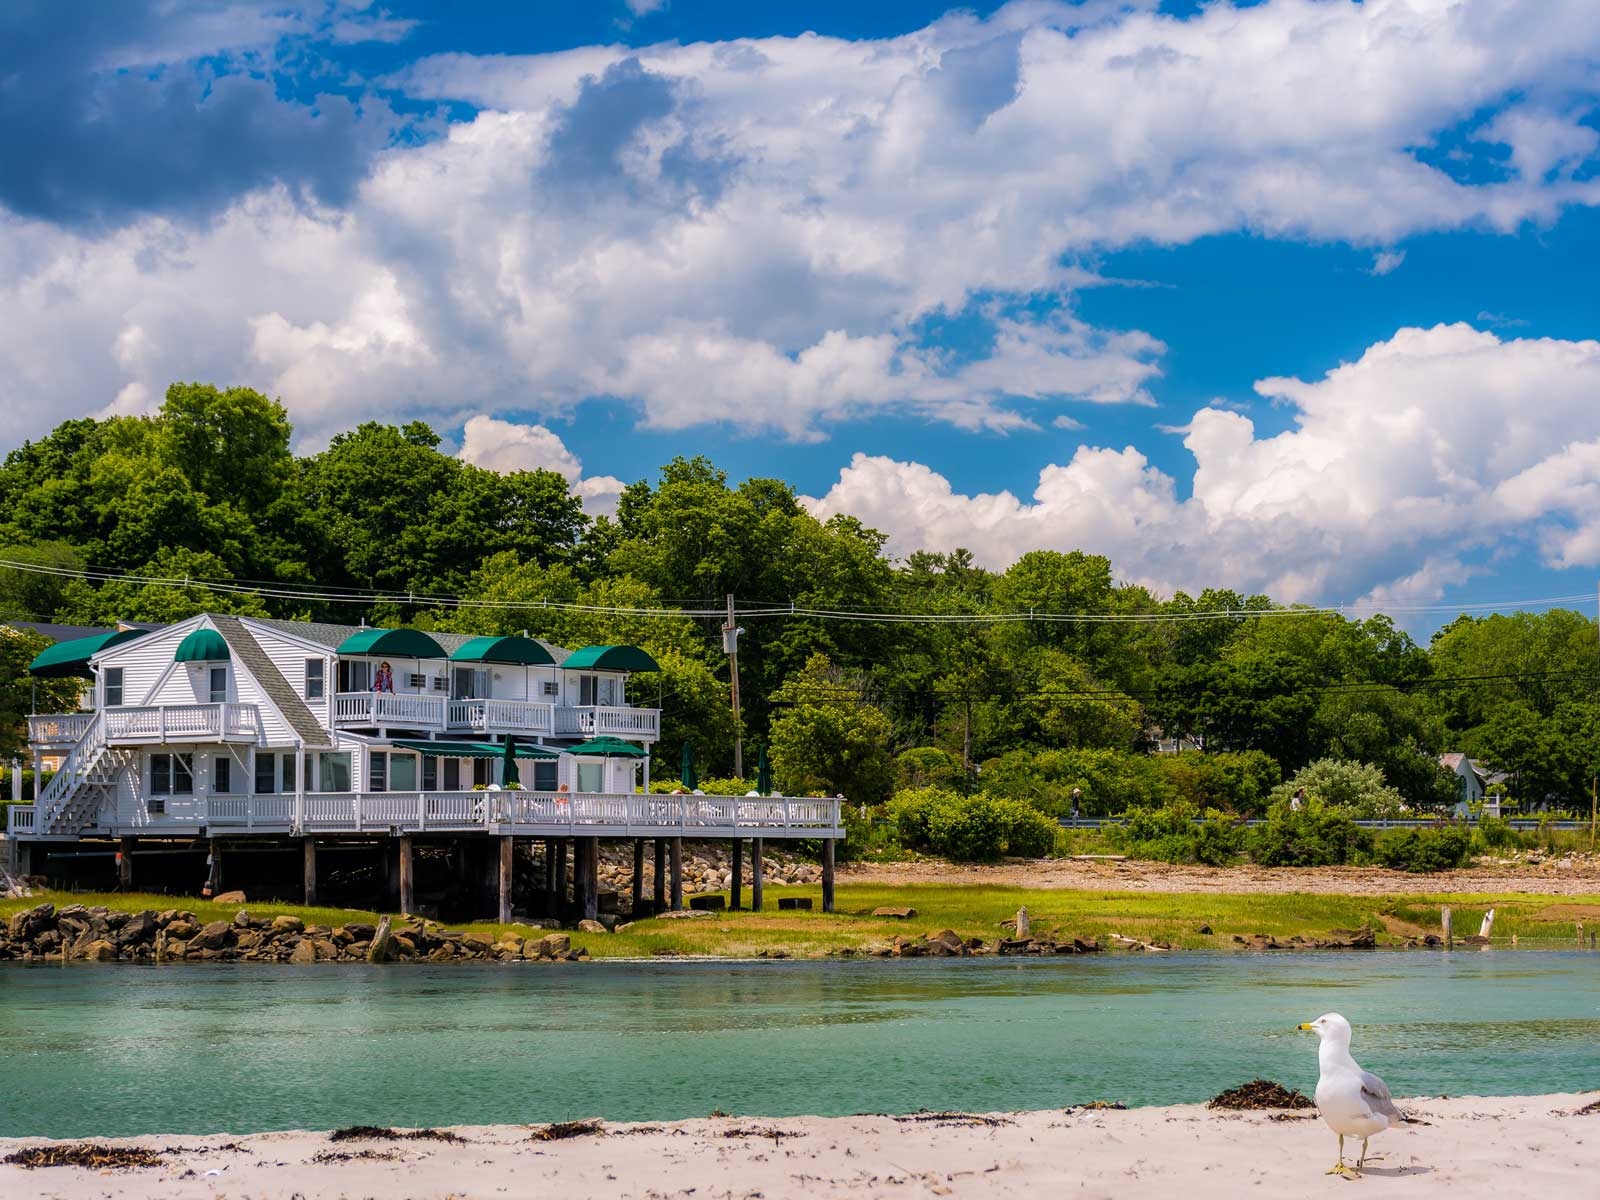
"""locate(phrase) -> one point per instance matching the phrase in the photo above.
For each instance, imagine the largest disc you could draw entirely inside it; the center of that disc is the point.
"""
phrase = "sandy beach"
(1462, 1147)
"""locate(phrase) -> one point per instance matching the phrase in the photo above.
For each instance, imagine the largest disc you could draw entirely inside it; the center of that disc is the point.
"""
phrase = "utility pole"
(730, 645)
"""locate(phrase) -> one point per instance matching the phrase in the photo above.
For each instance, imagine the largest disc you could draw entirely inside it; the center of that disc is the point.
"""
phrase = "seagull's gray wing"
(1376, 1093)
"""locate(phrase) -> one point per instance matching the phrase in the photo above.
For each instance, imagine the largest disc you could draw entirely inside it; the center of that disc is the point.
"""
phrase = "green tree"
(1358, 789)
(827, 738)
(21, 693)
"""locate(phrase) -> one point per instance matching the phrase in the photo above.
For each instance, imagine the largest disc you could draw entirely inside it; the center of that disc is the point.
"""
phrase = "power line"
(329, 594)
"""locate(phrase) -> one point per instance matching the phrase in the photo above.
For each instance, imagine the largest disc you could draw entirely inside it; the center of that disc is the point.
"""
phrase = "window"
(418, 682)
(430, 774)
(288, 772)
(403, 772)
(333, 771)
(452, 774)
(172, 774)
(314, 678)
(219, 684)
(355, 675)
(113, 685)
(378, 773)
(482, 772)
(551, 688)
(546, 775)
(222, 775)
(440, 683)
(592, 776)
(469, 683)
(588, 685)
(267, 772)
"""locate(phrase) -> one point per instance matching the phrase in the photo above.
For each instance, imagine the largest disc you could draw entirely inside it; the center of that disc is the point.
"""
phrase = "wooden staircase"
(74, 795)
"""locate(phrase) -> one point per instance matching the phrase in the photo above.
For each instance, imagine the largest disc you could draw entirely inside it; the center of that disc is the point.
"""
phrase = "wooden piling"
(827, 875)
(736, 885)
(757, 868)
(589, 850)
(1444, 919)
(659, 890)
(125, 865)
(407, 876)
(508, 868)
(561, 873)
(676, 846)
(638, 874)
(309, 852)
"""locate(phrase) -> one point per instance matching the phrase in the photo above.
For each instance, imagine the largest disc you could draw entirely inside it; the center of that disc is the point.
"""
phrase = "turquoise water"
(130, 1050)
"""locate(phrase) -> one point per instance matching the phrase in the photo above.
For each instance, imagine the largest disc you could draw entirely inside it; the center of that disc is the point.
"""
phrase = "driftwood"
(378, 951)
(1128, 943)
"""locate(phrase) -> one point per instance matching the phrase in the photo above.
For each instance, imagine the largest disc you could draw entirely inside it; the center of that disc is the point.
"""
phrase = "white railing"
(502, 716)
(21, 817)
(389, 708)
(64, 784)
(50, 729)
(183, 723)
(609, 720)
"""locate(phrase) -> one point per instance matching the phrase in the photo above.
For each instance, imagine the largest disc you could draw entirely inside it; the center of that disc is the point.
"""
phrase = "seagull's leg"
(1338, 1168)
(1362, 1161)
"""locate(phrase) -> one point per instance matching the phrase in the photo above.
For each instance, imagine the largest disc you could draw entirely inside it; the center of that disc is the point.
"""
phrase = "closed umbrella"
(763, 773)
(508, 765)
(686, 770)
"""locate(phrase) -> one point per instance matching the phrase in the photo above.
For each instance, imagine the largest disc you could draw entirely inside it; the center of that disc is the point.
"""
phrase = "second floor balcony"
(526, 718)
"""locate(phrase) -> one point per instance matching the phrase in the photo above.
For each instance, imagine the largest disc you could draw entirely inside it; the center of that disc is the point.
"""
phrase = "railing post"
(422, 810)
(161, 723)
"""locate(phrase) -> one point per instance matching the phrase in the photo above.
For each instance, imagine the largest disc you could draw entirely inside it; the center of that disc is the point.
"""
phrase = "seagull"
(1354, 1103)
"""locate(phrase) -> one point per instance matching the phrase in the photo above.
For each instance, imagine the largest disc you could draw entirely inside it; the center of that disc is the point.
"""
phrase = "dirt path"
(1574, 875)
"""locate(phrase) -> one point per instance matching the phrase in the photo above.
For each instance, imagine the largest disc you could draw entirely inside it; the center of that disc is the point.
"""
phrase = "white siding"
(144, 661)
(289, 657)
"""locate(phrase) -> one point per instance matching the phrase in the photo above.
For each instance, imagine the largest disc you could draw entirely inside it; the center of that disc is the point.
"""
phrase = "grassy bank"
(978, 910)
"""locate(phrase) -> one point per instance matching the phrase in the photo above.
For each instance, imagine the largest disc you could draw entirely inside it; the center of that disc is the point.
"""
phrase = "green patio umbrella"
(686, 769)
(508, 764)
(763, 773)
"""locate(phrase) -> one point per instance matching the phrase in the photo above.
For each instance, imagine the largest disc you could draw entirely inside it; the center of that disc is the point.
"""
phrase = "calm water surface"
(244, 1048)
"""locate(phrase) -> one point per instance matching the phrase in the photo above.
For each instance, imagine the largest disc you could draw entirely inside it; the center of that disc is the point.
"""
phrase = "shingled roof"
(248, 652)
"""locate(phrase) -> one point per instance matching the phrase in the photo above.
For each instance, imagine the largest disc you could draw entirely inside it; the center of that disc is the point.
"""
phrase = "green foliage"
(970, 828)
(1319, 835)
(1357, 789)
(1239, 782)
(1422, 850)
(19, 691)
(1172, 834)
(927, 766)
(1495, 833)
(824, 739)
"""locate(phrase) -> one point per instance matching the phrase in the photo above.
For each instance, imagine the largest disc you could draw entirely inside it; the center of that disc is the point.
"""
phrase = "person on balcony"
(383, 681)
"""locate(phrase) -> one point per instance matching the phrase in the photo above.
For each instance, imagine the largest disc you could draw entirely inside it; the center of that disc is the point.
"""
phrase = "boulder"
(141, 927)
(707, 903)
(241, 919)
(402, 947)
(595, 926)
(305, 952)
(324, 948)
(897, 914)
(476, 943)
(213, 937)
(287, 924)
(235, 897)
(101, 951)
(247, 939)
(791, 903)
(182, 928)
(556, 943)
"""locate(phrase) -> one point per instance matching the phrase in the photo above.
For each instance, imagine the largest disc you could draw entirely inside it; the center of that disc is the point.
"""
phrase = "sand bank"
(1501, 1147)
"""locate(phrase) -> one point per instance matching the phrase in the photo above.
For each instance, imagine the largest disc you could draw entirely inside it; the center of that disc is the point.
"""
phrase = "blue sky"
(1291, 296)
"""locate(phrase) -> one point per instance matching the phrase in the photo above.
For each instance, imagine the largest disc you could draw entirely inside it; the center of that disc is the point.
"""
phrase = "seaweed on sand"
(951, 1118)
(1259, 1094)
(84, 1154)
(379, 1133)
(568, 1129)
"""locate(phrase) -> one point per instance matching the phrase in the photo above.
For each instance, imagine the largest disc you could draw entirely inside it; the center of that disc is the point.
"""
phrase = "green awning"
(72, 657)
(610, 658)
(471, 749)
(514, 651)
(402, 643)
(609, 747)
(203, 645)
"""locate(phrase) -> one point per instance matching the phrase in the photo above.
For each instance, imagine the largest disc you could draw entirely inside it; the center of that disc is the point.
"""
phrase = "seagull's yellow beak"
(1305, 1025)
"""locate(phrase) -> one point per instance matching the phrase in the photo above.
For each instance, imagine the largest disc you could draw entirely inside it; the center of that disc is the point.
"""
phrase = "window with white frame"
(333, 771)
(172, 774)
(550, 687)
(222, 774)
(267, 773)
(217, 684)
(113, 678)
(546, 775)
(315, 678)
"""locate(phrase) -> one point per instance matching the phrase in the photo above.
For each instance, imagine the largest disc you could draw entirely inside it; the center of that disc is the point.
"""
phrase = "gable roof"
(249, 654)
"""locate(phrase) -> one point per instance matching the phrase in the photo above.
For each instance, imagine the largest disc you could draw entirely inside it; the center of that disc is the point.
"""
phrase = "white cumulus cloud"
(506, 446)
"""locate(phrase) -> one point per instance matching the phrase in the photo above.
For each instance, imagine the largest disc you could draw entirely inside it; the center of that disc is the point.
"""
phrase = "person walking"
(1077, 801)
(1298, 800)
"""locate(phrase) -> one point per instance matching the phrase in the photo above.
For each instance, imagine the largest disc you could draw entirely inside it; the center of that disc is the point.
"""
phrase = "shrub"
(975, 828)
(1171, 834)
(1495, 833)
(927, 766)
(1317, 836)
(969, 830)
(911, 811)
(1235, 782)
(1357, 788)
(1027, 832)
(1422, 850)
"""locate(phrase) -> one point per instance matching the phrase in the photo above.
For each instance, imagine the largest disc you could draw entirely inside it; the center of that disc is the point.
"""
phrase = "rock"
(360, 931)
(402, 946)
(287, 924)
(213, 937)
(241, 919)
(101, 951)
(708, 903)
(595, 926)
(305, 952)
(793, 903)
(141, 927)
(324, 948)
(476, 943)
(231, 898)
(897, 914)
(1204, 929)
(378, 946)
(247, 939)
(1014, 946)
(182, 928)
(683, 913)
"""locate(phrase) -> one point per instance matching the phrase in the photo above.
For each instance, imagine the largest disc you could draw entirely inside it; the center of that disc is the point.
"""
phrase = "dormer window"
(218, 677)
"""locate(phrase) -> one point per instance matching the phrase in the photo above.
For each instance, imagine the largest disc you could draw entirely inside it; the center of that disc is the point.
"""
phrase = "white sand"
(1501, 1147)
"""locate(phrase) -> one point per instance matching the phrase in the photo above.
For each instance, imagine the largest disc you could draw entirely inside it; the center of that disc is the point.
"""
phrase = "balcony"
(58, 729)
(503, 716)
(155, 724)
(643, 724)
(381, 710)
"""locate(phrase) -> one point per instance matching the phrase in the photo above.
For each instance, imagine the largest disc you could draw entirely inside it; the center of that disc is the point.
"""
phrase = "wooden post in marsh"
(1485, 930)
(590, 850)
(378, 948)
(736, 885)
(659, 890)
(309, 851)
(125, 865)
(756, 868)
(407, 876)
(508, 868)
(638, 874)
(676, 846)
(827, 875)
(1444, 919)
